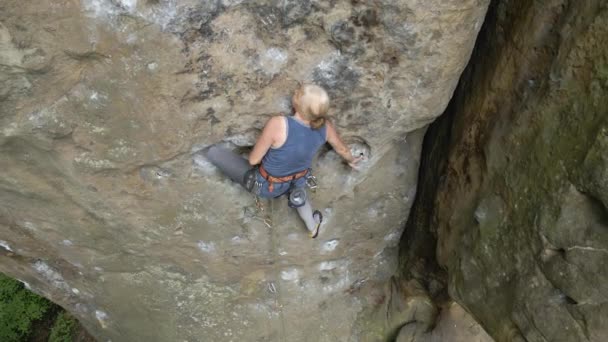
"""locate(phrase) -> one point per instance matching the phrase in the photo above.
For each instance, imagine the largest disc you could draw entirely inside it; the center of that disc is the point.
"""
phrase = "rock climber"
(280, 162)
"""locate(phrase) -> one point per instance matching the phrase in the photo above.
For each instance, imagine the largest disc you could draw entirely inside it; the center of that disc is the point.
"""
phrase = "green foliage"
(63, 328)
(19, 308)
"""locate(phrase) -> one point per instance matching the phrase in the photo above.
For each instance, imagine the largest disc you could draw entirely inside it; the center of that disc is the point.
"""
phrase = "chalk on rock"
(359, 147)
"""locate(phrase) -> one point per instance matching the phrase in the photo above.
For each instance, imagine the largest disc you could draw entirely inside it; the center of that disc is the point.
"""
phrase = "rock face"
(108, 209)
(519, 217)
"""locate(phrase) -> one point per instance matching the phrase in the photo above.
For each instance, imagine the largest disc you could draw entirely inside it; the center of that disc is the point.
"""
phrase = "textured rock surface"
(520, 216)
(107, 209)
(453, 325)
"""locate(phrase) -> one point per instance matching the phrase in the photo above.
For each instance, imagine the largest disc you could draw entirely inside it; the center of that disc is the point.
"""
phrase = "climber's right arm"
(266, 140)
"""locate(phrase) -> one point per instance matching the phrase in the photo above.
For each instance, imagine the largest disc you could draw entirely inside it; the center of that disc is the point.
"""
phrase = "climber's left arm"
(340, 147)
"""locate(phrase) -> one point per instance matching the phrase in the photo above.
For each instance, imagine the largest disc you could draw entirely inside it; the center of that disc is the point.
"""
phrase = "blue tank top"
(297, 152)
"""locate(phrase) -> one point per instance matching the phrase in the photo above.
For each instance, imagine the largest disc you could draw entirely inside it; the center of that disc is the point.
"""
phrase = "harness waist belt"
(271, 179)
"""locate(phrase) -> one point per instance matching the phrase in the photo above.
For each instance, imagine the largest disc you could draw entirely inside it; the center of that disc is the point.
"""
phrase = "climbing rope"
(277, 288)
(266, 217)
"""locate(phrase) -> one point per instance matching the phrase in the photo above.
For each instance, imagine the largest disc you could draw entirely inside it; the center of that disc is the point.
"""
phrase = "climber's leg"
(305, 213)
(299, 200)
(312, 219)
(231, 164)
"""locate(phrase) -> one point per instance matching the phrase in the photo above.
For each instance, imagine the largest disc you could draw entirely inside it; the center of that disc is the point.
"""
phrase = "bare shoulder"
(276, 123)
(276, 120)
(276, 129)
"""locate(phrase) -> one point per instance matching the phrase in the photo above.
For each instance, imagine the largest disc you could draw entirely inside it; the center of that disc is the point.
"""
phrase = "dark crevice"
(598, 208)
(418, 243)
(569, 300)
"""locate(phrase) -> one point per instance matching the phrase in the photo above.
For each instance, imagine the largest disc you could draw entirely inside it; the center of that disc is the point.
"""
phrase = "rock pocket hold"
(359, 147)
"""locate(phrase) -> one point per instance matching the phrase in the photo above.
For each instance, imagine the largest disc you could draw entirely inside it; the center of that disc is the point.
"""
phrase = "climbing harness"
(271, 179)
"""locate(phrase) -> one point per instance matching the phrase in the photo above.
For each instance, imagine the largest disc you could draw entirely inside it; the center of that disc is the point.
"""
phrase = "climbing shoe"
(319, 219)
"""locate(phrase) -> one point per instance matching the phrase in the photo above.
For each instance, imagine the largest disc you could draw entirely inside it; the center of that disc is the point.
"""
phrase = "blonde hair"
(312, 102)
